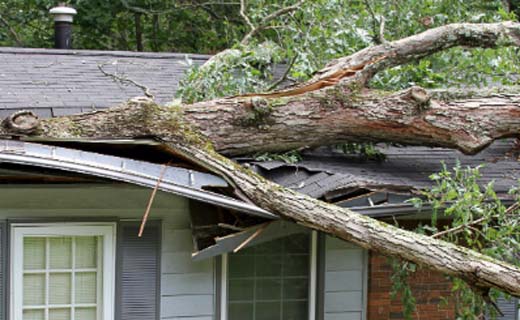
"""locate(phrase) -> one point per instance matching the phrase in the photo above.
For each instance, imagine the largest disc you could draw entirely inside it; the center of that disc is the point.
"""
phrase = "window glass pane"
(86, 252)
(33, 315)
(268, 289)
(241, 289)
(268, 311)
(59, 288)
(270, 281)
(86, 287)
(33, 253)
(240, 311)
(85, 314)
(34, 289)
(295, 310)
(268, 265)
(298, 243)
(295, 288)
(60, 253)
(296, 265)
(241, 266)
(59, 314)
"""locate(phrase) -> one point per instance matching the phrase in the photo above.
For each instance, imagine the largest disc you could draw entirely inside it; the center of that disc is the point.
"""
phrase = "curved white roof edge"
(179, 181)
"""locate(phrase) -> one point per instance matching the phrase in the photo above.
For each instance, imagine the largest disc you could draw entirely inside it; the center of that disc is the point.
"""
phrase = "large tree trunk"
(329, 109)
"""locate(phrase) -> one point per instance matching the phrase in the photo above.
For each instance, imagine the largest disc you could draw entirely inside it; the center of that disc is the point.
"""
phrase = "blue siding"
(187, 286)
(345, 278)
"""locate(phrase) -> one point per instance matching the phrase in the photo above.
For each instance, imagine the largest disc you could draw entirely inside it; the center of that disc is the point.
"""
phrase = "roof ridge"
(90, 53)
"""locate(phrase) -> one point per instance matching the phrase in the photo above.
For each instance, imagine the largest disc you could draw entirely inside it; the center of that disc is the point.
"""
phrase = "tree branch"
(244, 15)
(278, 13)
(424, 44)
(460, 228)
(16, 38)
(123, 79)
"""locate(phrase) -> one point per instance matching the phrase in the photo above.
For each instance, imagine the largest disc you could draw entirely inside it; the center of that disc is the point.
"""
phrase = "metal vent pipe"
(63, 17)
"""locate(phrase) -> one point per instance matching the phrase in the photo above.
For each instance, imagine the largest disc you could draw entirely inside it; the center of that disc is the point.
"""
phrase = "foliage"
(367, 151)
(401, 287)
(326, 29)
(166, 25)
(292, 156)
(243, 69)
(478, 219)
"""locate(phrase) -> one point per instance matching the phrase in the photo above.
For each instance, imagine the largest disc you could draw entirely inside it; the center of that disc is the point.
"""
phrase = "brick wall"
(428, 287)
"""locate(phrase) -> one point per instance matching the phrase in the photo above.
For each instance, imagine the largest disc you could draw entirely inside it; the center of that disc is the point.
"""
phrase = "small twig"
(123, 79)
(262, 25)
(244, 15)
(460, 228)
(250, 238)
(284, 76)
(150, 201)
(382, 30)
(17, 39)
(374, 20)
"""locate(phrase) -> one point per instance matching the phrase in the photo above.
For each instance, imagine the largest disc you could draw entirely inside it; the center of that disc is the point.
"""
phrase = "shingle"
(404, 168)
(42, 78)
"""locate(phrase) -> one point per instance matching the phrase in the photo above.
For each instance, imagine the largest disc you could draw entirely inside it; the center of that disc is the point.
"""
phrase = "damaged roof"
(53, 82)
(329, 174)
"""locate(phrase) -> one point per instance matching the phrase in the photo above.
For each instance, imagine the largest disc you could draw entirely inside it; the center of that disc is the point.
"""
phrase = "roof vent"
(63, 17)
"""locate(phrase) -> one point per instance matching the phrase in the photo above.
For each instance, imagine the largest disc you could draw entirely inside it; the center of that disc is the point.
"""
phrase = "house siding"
(188, 287)
(345, 281)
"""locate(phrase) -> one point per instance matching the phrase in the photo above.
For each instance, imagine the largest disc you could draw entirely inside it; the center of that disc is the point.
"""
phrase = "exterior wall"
(187, 288)
(428, 287)
(345, 281)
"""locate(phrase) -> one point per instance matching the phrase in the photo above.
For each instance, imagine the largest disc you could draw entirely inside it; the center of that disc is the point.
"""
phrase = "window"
(274, 280)
(62, 272)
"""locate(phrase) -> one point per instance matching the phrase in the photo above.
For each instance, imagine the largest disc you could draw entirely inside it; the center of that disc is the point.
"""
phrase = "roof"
(326, 173)
(59, 82)
(53, 82)
(188, 183)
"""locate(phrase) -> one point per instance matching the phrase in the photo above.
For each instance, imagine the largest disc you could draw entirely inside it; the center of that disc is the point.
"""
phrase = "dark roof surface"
(59, 82)
(328, 173)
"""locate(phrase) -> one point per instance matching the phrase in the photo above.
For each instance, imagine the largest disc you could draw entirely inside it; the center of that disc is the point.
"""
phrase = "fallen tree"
(335, 106)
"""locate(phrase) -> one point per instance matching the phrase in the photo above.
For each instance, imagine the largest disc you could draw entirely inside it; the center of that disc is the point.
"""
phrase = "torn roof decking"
(324, 173)
(53, 82)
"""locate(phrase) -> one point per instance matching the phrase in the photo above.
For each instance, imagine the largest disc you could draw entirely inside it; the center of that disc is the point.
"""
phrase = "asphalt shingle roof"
(323, 171)
(60, 82)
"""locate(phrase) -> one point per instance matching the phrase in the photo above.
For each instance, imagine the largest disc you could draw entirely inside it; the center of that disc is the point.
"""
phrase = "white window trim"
(20, 230)
(312, 281)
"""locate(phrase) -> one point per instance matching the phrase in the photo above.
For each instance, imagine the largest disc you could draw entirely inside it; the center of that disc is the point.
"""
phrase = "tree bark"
(328, 109)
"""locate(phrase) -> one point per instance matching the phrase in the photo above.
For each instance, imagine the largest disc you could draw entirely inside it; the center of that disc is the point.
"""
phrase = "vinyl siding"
(509, 308)
(187, 287)
(345, 281)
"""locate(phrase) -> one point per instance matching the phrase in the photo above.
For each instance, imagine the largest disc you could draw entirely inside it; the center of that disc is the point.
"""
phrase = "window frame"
(313, 274)
(105, 230)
